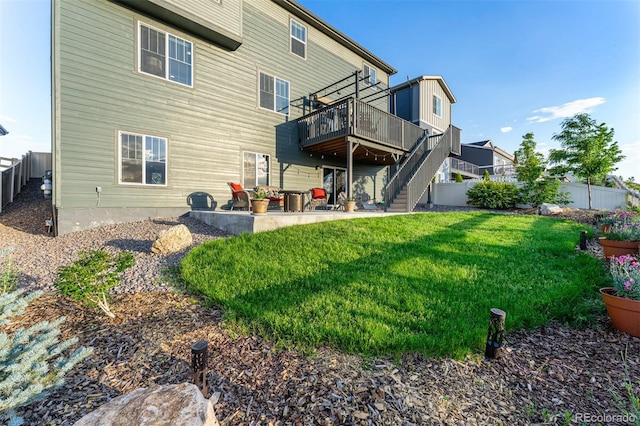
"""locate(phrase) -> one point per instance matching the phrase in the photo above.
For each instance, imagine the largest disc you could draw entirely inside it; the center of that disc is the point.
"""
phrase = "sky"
(514, 66)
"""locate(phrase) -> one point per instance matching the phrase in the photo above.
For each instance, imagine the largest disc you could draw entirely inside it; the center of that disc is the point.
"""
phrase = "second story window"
(298, 39)
(274, 93)
(369, 74)
(437, 105)
(165, 55)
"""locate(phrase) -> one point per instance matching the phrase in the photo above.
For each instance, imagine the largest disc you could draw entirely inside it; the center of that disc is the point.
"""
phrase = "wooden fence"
(15, 173)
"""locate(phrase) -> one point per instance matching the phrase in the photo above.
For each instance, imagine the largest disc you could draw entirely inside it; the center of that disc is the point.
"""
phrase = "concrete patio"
(237, 222)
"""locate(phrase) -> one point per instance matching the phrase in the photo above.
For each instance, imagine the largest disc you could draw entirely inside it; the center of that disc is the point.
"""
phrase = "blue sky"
(514, 66)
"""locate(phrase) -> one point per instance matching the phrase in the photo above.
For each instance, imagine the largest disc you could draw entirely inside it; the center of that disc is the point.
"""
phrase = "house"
(154, 100)
(427, 102)
(489, 157)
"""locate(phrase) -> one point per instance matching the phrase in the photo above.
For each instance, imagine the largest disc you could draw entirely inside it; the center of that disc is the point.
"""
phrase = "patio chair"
(366, 203)
(318, 197)
(241, 198)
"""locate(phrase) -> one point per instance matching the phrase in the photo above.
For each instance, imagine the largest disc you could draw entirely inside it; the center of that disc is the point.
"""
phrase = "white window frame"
(257, 155)
(293, 37)
(275, 80)
(437, 108)
(167, 58)
(144, 156)
(371, 73)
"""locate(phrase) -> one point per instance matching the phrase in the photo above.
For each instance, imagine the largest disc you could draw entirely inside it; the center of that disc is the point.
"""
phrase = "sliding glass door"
(334, 181)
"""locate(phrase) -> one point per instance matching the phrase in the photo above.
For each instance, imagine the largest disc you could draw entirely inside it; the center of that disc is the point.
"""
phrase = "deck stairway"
(412, 177)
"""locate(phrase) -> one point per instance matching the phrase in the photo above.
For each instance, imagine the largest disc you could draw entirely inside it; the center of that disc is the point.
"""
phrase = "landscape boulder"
(168, 405)
(172, 240)
(547, 209)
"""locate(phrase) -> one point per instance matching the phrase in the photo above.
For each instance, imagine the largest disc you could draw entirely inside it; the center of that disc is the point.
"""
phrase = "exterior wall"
(428, 88)
(99, 92)
(226, 14)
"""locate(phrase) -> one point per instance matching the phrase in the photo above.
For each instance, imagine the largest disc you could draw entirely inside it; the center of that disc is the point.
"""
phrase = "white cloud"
(6, 118)
(506, 129)
(565, 110)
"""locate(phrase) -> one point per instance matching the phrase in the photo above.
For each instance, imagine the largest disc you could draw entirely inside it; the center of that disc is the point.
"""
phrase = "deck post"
(349, 167)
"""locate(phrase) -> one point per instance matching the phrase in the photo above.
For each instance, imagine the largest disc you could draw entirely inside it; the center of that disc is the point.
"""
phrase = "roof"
(416, 80)
(486, 143)
(322, 26)
(3, 131)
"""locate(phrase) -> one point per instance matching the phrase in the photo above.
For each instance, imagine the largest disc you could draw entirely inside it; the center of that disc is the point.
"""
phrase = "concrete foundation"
(238, 222)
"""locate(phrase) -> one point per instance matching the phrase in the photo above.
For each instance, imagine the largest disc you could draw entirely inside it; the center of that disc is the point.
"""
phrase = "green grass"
(399, 284)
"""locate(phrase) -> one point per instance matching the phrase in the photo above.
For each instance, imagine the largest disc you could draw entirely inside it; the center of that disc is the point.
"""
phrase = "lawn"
(399, 284)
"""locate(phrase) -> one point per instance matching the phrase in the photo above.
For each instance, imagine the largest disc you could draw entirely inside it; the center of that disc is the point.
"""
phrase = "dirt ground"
(551, 375)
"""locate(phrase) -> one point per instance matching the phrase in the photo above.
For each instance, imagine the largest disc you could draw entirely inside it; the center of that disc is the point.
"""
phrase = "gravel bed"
(38, 254)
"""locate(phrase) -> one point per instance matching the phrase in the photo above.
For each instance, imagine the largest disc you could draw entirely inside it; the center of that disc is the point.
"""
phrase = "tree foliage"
(588, 150)
(534, 188)
(459, 177)
(32, 360)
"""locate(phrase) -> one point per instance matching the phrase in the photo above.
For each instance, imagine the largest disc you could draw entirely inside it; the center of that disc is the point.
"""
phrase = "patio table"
(293, 200)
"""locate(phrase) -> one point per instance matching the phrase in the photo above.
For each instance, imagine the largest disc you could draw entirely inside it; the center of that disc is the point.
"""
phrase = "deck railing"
(464, 166)
(352, 117)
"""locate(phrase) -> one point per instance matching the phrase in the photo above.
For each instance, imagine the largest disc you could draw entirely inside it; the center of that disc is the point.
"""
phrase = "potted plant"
(623, 299)
(622, 238)
(350, 204)
(617, 216)
(259, 202)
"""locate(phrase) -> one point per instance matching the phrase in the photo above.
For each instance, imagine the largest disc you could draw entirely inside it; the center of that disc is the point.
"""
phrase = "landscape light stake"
(199, 364)
(495, 333)
(583, 240)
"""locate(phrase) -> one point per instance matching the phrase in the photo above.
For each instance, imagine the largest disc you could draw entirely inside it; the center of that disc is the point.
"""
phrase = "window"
(154, 59)
(274, 94)
(369, 74)
(437, 106)
(255, 169)
(143, 159)
(298, 39)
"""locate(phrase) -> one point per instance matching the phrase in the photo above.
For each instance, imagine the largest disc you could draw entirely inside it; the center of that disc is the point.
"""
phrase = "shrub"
(31, 360)
(493, 195)
(91, 277)
(485, 176)
(459, 177)
(8, 273)
(544, 190)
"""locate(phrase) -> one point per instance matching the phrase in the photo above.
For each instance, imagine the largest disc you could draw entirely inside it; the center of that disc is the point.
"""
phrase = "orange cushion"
(236, 186)
(318, 193)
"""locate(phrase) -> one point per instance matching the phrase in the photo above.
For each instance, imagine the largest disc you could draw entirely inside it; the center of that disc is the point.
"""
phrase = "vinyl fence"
(455, 194)
(14, 173)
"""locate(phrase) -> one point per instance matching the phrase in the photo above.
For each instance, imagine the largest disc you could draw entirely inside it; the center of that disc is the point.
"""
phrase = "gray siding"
(428, 88)
(99, 92)
(226, 14)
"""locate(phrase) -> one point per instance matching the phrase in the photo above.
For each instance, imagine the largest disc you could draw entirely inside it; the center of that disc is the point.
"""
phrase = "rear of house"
(154, 100)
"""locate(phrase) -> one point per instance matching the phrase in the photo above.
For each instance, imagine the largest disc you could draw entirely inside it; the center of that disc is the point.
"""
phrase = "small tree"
(534, 189)
(459, 177)
(91, 277)
(31, 360)
(485, 176)
(588, 150)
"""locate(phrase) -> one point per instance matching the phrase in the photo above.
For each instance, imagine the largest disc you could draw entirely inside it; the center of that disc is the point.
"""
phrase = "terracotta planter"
(624, 313)
(259, 206)
(618, 248)
(349, 206)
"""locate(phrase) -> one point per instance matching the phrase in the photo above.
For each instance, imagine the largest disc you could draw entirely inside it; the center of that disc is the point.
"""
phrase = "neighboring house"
(155, 100)
(489, 157)
(427, 102)
(3, 131)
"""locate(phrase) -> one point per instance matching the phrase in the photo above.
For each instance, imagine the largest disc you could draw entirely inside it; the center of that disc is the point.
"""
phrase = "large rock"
(172, 240)
(547, 209)
(167, 405)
